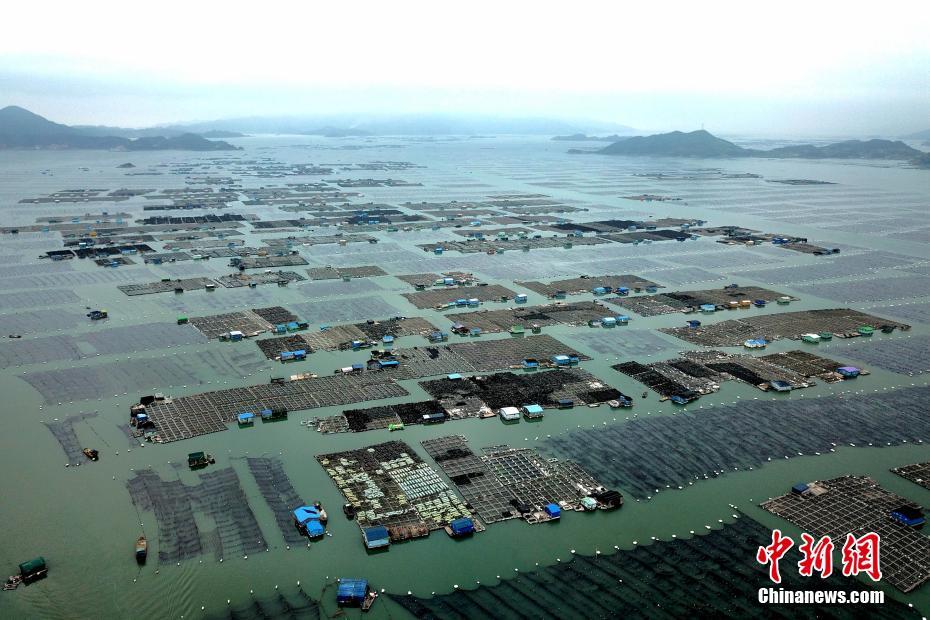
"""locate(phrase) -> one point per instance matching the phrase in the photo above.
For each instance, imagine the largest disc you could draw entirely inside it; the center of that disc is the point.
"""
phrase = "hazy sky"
(773, 68)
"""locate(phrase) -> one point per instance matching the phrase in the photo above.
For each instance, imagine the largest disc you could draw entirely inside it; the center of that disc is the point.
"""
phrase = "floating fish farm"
(858, 505)
(490, 321)
(509, 483)
(841, 322)
(390, 485)
(918, 473)
(574, 286)
(190, 416)
(688, 301)
(449, 294)
(906, 356)
(338, 273)
(469, 396)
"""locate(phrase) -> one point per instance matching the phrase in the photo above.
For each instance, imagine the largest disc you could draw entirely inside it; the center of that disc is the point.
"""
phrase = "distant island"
(337, 132)
(703, 144)
(580, 137)
(22, 129)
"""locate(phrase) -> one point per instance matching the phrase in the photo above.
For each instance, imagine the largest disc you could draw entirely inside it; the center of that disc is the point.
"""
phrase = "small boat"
(349, 511)
(645, 394)
(613, 404)
(142, 549)
(91, 454)
(369, 600)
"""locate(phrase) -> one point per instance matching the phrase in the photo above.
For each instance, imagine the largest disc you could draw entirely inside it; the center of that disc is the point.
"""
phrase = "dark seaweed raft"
(643, 455)
(63, 430)
(218, 497)
(281, 603)
(279, 494)
(711, 576)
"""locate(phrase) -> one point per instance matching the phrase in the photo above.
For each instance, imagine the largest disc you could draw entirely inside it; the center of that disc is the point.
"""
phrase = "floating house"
(530, 363)
(382, 364)
(308, 520)
(780, 386)
(434, 418)
(509, 414)
(533, 412)
(566, 403)
(810, 338)
(352, 592)
(708, 308)
(388, 339)
(848, 372)
(553, 511)
(246, 418)
(694, 324)
(520, 298)
(866, 330)
(376, 537)
(33, 570)
(609, 321)
(755, 343)
(909, 516)
(461, 527)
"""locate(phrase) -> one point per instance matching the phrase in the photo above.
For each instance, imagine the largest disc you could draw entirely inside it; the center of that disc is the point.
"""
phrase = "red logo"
(860, 555)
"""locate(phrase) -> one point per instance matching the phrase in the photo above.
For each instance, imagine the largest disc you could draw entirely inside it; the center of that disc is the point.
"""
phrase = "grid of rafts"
(246, 321)
(218, 499)
(858, 505)
(490, 321)
(390, 485)
(506, 483)
(337, 273)
(587, 284)
(684, 301)
(448, 294)
(841, 322)
(209, 412)
(918, 473)
(469, 396)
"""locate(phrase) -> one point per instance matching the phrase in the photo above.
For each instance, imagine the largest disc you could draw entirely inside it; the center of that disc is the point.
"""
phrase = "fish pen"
(857, 505)
(271, 262)
(918, 473)
(217, 325)
(686, 301)
(449, 294)
(623, 584)
(238, 280)
(338, 273)
(646, 455)
(278, 492)
(187, 284)
(483, 492)
(390, 485)
(574, 286)
(470, 396)
(276, 315)
(471, 246)
(273, 347)
(373, 418)
(64, 433)
(842, 322)
(490, 321)
(208, 412)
